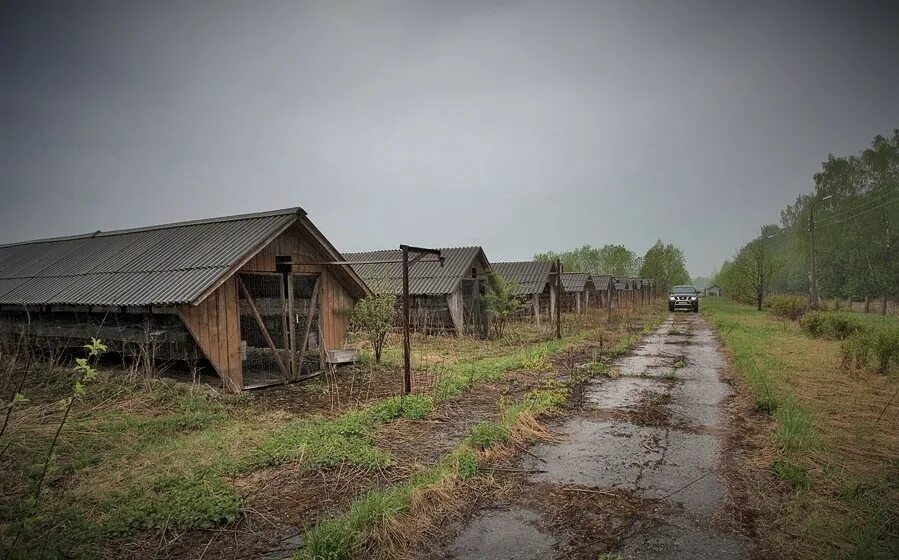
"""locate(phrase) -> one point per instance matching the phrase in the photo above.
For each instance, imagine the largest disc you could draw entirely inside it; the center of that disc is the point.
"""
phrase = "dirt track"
(636, 469)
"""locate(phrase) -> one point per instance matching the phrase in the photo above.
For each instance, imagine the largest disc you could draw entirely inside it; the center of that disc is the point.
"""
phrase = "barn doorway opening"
(280, 328)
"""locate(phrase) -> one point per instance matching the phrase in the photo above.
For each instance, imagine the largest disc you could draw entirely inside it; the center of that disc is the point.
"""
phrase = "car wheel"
(696, 309)
(671, 308)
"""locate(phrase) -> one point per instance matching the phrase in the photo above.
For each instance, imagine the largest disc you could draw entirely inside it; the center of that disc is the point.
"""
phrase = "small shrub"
(876, 347)
(796, 475)
(765, 404)
(856, 350)
(813, 322)
(487, 434)
(788, 307)
(373, 315)
(467, 463)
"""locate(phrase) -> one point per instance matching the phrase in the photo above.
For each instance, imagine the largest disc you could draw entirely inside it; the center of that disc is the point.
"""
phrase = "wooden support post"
(558, 306)
(287, 323)
(262, 328)
(609, 291)
(407, 340)
(537, 308)
(577, 303)
(313, 304)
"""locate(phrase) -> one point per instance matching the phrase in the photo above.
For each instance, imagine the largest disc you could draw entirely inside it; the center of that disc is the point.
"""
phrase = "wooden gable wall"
(336, 301)
(215, 325)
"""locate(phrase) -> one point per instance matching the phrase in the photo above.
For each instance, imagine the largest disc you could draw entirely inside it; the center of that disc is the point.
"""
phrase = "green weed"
(487, 434)
(797, 476)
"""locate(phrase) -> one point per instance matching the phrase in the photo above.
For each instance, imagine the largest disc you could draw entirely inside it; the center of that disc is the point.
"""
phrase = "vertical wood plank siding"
(213, 324)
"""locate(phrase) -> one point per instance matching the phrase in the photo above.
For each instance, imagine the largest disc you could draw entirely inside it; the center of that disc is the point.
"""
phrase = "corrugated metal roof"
(575, 281)
(425, 278)
(528, 277)
(601, 281)
(161, 265)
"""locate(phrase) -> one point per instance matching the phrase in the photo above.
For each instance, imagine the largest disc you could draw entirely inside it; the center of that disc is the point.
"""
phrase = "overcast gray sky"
(518, 126)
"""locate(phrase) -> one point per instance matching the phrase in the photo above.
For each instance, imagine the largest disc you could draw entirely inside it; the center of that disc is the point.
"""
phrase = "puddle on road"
(596, 453)
(504, 535)
(672, 460)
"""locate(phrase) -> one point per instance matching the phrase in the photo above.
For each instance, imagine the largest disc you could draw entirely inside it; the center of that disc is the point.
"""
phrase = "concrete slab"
(503, 535)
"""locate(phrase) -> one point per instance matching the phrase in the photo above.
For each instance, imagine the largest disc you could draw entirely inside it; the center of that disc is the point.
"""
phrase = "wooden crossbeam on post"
(407, 335)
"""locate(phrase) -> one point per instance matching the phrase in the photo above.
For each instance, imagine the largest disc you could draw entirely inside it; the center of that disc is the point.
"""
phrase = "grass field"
(833, 442)
(142, 463)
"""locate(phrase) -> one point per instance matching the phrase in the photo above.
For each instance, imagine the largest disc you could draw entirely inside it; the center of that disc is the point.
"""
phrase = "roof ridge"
(100, 233)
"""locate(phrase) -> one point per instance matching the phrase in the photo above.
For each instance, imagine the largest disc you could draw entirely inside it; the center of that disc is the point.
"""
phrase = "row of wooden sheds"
(264, 297)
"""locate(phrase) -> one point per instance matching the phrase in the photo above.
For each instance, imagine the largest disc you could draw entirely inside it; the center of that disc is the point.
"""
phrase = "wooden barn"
(444, 299)
(534, 282)
(578, 292)
(257, 295)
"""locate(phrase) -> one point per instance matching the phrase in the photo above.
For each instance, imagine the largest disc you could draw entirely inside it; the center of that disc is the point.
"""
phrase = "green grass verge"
(835, 458)
(344, 537)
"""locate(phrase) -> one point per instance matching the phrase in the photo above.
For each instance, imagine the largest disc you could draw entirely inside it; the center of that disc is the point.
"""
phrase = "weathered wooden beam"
(313, 303)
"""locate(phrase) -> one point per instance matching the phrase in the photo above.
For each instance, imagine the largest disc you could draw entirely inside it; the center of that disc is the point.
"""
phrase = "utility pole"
(407, 337)
(813, 278)
(558, 299)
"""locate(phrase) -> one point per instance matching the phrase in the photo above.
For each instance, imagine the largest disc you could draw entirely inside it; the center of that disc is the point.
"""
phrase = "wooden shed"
(578, 292)
(252, 294)
(444, 299)
(605, 286)
(534, 282)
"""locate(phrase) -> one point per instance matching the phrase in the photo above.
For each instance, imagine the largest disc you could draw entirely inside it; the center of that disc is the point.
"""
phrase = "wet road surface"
(656, 430)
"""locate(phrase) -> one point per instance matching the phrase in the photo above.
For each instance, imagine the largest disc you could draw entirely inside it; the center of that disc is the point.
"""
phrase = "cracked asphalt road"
(656, 430)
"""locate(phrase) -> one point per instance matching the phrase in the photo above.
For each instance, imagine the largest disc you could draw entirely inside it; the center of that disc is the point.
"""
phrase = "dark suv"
(683, 297)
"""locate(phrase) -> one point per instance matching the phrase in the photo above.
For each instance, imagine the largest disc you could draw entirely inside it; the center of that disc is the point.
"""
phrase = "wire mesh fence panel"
(306, 322)
(263, 329)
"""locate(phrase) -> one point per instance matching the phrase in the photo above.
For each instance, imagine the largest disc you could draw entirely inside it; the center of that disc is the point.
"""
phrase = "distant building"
(444, 299)
(579, 292)
(534, 282)
(714, 290)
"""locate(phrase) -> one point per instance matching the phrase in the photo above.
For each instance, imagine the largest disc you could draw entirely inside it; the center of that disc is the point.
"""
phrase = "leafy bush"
(502, 302)
(788, 307)
(813, 322)
(373, 316)
(876, 348)
(837, 326)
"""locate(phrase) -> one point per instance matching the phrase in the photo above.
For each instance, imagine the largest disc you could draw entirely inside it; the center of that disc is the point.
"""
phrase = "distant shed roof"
(575, 281)
(425, 278)
(168, 264)
(529, 277)
(601, 281)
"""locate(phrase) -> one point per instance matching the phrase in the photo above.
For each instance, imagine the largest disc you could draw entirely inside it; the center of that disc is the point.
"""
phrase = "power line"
(837, 221)
(857, 207)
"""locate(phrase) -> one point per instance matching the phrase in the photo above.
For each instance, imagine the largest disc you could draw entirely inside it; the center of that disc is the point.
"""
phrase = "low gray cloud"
(519, 126)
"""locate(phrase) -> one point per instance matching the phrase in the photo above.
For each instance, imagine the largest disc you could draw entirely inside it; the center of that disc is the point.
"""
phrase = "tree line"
(664, 263)
(852, 221)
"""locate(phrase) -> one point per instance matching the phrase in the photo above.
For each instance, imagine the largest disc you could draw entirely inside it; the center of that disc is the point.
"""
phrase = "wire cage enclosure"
(280, 327)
